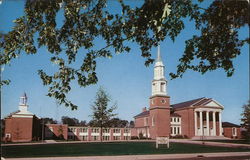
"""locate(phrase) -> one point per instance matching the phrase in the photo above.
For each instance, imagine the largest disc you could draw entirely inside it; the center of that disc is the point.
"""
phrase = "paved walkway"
(235, 145)
(148, 157)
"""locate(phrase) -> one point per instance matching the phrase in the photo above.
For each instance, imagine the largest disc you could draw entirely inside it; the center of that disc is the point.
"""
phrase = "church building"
(190, 119)
(22, 125)
(196, 119)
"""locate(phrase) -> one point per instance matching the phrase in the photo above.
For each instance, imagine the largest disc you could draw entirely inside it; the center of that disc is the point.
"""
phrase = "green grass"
(100, 149)
(231, 141)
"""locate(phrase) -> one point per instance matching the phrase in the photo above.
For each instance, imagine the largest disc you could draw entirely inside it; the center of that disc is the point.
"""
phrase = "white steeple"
(23, 106)
(159, 82)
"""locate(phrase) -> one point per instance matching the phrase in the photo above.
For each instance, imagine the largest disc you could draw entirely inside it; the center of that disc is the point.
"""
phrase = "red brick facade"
(22, 129)
(159, 116)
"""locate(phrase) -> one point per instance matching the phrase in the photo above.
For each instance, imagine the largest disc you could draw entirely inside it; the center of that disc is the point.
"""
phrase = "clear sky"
(125, 78)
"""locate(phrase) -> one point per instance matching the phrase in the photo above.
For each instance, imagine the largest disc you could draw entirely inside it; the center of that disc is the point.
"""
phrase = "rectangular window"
(117, 137)
(174, 130)
(126, 130)
(178, 130)
(117, 130)
(153, 121)
(95, 138)
(106, 130)
(95, 130)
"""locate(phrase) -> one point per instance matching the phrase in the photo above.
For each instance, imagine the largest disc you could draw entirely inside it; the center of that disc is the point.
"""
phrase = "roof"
(9, 115)
(175, 115)
(187, 103)
(142, 114)
(228, 124)
(194, 102)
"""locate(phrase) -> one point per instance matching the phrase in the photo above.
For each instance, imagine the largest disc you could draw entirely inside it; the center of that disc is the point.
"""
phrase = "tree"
(216, 45)
(47, 120)
(246, 120)
(131, 124)
(70, 121)
(102, 114)
(117, 122)
(2, 128)
(83, 123)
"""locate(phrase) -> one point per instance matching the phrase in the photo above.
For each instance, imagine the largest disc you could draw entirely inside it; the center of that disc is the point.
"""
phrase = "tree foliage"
(70, 121)
(47, 120)
(84, 22)
(102, 113)
(246, 119)
(117, 122)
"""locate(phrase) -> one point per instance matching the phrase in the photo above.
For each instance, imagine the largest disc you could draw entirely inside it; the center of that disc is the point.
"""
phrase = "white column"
(220, 124)
(195, 123)
(201, 124)
(214, 125)
(207, 120)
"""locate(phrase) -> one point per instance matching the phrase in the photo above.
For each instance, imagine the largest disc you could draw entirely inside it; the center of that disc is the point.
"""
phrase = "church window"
(234, 131)
(153, 121)
(145, 121)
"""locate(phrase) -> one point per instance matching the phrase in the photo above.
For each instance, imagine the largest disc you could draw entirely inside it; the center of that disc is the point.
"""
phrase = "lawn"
(101, 149)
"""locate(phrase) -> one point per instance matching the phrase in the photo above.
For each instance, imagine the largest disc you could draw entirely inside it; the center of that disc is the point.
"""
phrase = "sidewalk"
(145, 157)
(221, 144)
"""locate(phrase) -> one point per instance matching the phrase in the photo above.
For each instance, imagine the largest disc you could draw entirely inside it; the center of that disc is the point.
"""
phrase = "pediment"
(215, 104)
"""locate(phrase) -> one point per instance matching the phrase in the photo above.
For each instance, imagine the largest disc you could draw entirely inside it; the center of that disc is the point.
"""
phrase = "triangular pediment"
(213, 103)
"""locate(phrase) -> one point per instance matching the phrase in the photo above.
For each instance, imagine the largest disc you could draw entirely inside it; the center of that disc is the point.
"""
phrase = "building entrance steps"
(50, 141)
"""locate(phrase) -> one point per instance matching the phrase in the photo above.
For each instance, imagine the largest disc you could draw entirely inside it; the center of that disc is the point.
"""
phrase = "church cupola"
(159, 82)
(23, 106)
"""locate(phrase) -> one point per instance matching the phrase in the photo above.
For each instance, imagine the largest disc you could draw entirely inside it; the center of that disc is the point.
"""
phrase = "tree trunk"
(101, 134)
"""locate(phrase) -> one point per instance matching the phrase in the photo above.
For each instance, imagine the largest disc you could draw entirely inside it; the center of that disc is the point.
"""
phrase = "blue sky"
(125, 78)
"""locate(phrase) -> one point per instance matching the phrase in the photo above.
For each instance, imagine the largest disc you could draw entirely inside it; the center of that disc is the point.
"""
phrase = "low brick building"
(94, 133)
(22, 125)
(231, 130)
(56, 131)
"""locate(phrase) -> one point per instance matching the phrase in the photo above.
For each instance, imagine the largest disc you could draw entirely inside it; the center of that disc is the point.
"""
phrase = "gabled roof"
(197, 102)
(187, 103)
(142, 114)
(228, 124)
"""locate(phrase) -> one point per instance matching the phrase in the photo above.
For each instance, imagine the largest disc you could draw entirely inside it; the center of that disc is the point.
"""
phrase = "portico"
(207, 121)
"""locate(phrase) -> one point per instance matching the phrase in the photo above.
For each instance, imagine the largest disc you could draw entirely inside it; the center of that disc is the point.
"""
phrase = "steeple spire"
(159, 83)
(158, 54)
(23, 99)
